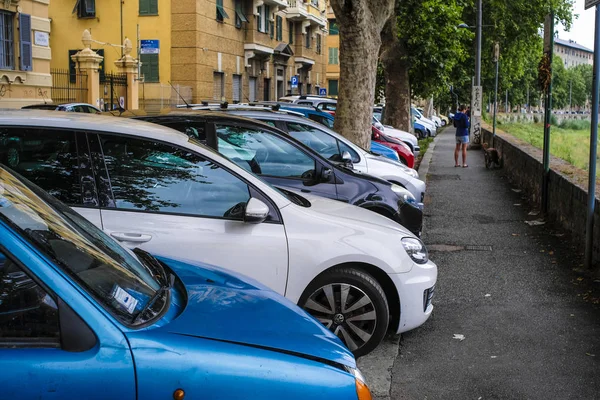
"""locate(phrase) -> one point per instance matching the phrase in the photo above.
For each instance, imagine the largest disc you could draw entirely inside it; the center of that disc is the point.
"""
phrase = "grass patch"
(424, 145)
(569, 141)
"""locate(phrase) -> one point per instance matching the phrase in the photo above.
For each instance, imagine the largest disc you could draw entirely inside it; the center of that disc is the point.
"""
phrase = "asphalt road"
(512, 319)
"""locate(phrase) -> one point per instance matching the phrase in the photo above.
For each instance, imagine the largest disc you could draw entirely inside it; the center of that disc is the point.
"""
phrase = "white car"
(437, 120)
(429, 124)
(152, 187)
(306, 131)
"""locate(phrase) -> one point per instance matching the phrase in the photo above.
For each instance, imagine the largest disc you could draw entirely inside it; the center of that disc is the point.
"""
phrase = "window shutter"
(144, 7)
(237, 88)
(153, 6)
(279, 28)
(25, 41)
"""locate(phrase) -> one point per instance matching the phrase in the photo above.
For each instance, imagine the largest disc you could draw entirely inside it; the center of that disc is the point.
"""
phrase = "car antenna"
(41, 93)
(179, 94)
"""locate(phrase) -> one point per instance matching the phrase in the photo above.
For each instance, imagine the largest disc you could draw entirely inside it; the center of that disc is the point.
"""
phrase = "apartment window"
(334, 56)
(315, 3)
(85, 8)
(237, 88)
(239, 14)
(291, 32)
(7, 53)
(150, 67)
(148, 7)
(219, 86)
(333, 87)
(308, 37)
(271, 29)
(334, 29)
(263, 18)
(279, 21)
(318, 43)
(221, 14)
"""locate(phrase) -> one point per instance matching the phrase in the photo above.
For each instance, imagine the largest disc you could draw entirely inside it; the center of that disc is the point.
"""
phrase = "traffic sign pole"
(589, 226)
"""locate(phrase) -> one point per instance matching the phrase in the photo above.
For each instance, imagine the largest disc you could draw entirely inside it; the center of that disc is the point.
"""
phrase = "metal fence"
(114, 89)
(66, 91)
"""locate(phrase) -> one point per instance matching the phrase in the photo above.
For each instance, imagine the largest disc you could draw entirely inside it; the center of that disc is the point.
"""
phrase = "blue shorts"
(462, 139)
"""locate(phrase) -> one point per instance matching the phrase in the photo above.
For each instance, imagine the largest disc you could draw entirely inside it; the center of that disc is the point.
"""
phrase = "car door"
(173, 202)
(57, 160)
(42, 354)
(276, 159)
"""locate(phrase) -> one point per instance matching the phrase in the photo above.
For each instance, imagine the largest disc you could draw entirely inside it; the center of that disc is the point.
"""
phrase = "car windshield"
(109, 273)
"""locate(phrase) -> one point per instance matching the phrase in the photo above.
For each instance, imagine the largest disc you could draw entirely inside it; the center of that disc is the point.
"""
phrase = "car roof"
(90, 122)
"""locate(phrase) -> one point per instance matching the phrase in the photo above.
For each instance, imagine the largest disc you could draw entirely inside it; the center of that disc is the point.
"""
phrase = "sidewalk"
(531, 328)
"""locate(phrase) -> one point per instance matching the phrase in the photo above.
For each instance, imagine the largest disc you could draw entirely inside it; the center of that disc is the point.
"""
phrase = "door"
(252, 89)
(175, 203)
(58, 161)
(267, 90)
(276, 159)
(37, 356)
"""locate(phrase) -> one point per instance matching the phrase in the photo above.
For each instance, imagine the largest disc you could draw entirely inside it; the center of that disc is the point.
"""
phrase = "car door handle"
(131, 237)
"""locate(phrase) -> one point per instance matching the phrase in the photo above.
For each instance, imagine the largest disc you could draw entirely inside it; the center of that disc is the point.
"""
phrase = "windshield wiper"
(167, 282)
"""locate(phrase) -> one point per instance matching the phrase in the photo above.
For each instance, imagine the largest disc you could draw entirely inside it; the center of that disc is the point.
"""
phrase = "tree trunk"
(360, 22)
(397, 80)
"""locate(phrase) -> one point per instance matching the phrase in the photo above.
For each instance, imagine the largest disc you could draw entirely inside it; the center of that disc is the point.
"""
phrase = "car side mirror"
(256, 211)
(346, 158)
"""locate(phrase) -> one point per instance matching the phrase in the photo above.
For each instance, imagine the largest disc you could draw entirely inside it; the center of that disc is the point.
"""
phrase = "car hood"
(225, 306)
(397, 133)
(392, 163)
(349, 214)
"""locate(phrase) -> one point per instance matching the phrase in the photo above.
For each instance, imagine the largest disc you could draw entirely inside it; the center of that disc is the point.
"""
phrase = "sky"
(582, 29)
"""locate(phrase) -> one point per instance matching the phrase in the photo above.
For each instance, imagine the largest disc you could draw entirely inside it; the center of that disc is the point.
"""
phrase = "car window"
(90, 109)
(264, 153)
(79, 109)
(327, 106)
(48, 158)
(156, 177)
(324, 144)
(353, 154)
(117, 280)
(321, 120)
(28, 315)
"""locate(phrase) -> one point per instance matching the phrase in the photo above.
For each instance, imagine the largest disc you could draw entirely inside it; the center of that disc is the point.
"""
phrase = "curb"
(424, 166)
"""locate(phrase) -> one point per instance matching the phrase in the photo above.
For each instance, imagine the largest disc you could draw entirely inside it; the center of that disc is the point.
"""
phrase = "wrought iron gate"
(114, 89)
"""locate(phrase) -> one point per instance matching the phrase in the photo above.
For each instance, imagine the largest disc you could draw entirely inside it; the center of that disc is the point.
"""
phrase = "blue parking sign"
(294, 81)
(322, 92)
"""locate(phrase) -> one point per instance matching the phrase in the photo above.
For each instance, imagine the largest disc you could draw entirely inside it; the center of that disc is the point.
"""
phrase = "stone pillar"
(88, 63)
(129, 66)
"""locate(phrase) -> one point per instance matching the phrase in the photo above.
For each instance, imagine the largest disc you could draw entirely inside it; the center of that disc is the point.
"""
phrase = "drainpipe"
(121, 3)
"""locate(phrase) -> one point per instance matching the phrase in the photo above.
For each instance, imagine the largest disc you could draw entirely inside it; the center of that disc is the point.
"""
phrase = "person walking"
(461, 123)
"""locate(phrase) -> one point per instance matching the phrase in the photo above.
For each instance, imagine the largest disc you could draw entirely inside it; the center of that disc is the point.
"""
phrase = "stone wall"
(567, 205)
(539, 117)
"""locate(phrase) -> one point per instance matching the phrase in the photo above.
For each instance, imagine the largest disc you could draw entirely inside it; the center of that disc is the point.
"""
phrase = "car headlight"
(404, 194)
(415, 249)
(362, 390)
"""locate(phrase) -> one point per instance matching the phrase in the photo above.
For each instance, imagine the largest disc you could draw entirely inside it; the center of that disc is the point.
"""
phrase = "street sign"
(549, 33)
(150, 46)
(322, 92)
(591, 3)
(294, 81)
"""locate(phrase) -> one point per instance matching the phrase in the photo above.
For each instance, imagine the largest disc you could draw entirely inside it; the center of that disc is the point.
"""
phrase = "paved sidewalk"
(530, 326)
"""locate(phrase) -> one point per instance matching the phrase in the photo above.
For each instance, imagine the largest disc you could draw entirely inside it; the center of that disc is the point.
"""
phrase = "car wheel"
(12, 157)
(403, 161)
(351, 304)
(419, 134)
(443, 123)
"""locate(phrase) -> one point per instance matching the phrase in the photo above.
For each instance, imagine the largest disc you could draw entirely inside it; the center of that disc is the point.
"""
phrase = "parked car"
(406, 155)
(68, 107)
(421, 131)
(155, 188)
(445, 120)
(80, 314)
(322, 103)
(408, 138)
(429, 124)
(331, 145)
(328, 120)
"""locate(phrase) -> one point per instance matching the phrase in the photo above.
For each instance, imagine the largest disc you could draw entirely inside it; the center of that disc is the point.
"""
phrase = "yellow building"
(110, 22)
(237, 50)
(24, 52)
(333, 55)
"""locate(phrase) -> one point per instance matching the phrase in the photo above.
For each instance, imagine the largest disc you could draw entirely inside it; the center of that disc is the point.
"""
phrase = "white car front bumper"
(415, 289)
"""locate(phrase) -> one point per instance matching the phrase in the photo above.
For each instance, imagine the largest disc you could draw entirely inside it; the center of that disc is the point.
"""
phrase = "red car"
(406, 155)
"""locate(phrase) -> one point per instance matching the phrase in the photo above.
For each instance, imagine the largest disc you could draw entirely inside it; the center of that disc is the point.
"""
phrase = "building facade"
(24, 52)
(248, 50)
(572, 53)
(333, 55)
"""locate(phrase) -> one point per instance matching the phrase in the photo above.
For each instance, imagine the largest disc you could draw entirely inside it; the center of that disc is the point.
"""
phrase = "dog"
(492, 156)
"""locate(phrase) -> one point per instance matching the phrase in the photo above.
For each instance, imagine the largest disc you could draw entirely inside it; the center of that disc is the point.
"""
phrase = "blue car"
(81, 317)
(327, 120)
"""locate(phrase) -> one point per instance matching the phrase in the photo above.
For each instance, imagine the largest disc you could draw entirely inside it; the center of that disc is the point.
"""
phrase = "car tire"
(419, 134)
(403, 161)
(360, 313)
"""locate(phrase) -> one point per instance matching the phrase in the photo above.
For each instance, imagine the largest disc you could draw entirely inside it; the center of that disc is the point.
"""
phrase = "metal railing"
(65, 91)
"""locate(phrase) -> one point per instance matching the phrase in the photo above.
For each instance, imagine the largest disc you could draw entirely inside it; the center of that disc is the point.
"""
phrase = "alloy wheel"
(12, 157)
(345, 310)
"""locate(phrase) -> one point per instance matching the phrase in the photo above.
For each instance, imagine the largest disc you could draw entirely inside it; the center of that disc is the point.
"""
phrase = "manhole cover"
(444, 247)
(444, 177)
(478, 248)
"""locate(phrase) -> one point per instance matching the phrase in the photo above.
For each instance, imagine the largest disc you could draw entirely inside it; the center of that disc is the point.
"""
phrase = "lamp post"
(497, 61)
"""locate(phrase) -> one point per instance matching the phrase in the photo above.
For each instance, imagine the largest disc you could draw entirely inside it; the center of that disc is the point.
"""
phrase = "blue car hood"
(224, 306)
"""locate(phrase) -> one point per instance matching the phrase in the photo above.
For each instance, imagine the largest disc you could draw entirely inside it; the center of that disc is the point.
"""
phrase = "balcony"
(306, 10)
(280, 4)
